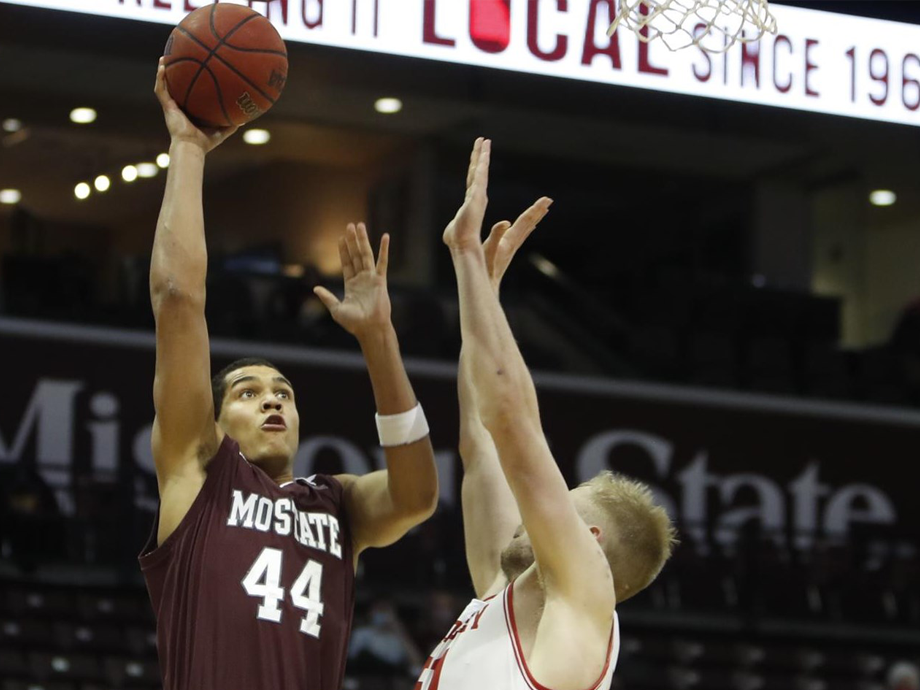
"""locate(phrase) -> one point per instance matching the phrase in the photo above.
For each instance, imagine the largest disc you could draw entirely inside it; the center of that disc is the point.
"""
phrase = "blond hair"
(639, 534)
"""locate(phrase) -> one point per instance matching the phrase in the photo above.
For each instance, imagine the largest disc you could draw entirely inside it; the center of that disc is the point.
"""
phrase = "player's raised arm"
(571, 562)
(490, 515)
(184, 432)
(383, 505)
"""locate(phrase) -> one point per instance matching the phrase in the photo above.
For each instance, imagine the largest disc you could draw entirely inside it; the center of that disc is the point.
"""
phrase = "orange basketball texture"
(225, 65)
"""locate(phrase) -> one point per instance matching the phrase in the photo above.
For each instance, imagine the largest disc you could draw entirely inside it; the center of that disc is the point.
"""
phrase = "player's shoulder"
(320, 483)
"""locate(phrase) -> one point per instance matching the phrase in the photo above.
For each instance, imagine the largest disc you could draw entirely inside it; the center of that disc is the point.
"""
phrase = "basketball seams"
(260, 51)
(220, 95)
(242, 76)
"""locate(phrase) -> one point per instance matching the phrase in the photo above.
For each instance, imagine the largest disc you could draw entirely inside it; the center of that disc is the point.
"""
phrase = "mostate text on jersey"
(316, 530)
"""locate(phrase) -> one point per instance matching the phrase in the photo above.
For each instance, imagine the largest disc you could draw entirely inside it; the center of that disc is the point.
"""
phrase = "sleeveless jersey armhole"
(152, 555)
(613, 646)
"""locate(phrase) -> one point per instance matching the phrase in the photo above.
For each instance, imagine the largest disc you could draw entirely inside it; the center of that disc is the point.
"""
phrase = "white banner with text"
(818, 61)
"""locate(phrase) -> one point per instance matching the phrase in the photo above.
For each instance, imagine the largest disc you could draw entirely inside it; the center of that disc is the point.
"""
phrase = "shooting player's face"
(259, 413)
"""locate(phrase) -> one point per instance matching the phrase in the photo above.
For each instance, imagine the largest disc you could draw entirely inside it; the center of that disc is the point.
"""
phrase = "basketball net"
(712, 25)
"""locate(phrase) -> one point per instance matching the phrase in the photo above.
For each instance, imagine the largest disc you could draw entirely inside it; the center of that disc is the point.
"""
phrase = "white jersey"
(482, 651)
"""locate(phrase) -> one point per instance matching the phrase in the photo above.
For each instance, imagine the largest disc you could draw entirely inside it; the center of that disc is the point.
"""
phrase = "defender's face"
(518, 555)
(259, 413)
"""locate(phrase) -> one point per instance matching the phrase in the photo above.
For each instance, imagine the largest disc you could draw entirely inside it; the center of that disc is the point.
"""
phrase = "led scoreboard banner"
(817, 61)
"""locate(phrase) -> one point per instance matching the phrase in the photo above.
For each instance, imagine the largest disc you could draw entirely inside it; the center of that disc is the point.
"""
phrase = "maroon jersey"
(255, 588)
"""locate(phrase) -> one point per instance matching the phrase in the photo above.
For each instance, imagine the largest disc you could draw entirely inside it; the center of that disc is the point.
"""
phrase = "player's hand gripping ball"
(225, 65)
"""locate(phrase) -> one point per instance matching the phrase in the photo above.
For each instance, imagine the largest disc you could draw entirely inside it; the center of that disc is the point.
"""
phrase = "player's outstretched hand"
(506, 238)
(366, 305)
(179, 126)
(464, 231)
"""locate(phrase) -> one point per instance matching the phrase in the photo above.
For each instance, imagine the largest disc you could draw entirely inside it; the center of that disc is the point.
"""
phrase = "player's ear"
(596, 531)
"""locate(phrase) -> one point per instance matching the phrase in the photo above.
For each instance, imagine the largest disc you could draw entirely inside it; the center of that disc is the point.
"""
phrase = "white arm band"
(403, 428)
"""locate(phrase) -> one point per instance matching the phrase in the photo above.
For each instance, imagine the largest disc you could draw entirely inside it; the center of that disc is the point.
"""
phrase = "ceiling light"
(82, 116)
(10, 196)
(388, 106)
(256, 137)
(11, 124)
(129, 173)
(545, 266)
(102, 183)
(163, 160)
(82, 191)
(147, 169)
(882, 197)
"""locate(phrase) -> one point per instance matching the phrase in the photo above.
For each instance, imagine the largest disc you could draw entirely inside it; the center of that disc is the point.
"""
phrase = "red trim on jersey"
(519, 650)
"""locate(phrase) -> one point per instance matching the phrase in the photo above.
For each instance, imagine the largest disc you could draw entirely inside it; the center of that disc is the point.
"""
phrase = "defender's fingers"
(474, 159)
(527, 222)
(481, 177)
(494, 240)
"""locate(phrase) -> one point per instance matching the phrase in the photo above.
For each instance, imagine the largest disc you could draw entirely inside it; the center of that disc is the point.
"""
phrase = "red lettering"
(478, 616)
(591, 48)
(490, 24)
(189, 7)
(784, 39)
(311, 23)
(562, 42)
(699, 76)
(429, 34)
(750, 57)
(162, 4)
(809, 66)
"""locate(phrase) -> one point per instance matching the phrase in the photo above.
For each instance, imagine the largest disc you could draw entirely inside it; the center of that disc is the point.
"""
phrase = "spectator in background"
(31, 519)
(904, 675)
(382, 646)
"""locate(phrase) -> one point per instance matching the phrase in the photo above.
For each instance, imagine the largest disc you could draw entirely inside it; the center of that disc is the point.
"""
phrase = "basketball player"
(544, 616)
(251, 570)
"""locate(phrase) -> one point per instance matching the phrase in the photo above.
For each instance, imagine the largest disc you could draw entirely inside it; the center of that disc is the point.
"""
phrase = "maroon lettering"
(644, 64)
(162, 4)
(700, 76)
(750, 57)
(268, 8)
(189, 7)
(879, 78)
(809, 66)
(429, 33)
(490, 24)
(851, 53)
(782, 88)
(311, 23)
(562, 42)
(591, 48)
(914, 103)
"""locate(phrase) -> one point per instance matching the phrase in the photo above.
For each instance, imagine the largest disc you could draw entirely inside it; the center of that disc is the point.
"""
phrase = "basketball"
(225, 65)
